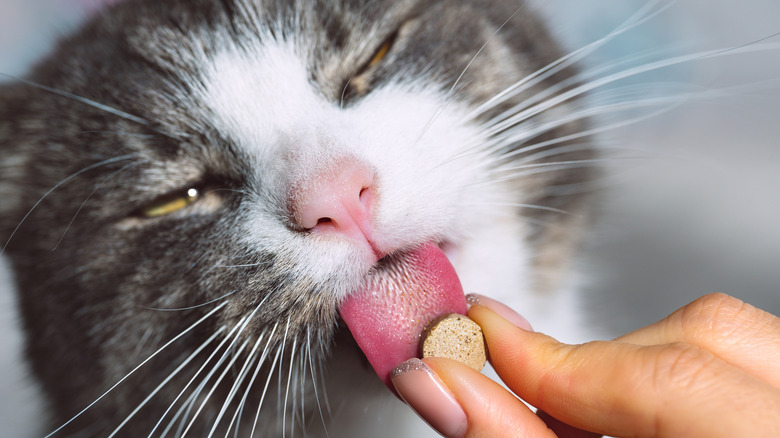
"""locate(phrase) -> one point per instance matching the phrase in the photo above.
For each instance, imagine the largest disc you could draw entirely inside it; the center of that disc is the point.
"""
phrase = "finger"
(492, 411)
(738, 333)
(623, 389)
(430, 398)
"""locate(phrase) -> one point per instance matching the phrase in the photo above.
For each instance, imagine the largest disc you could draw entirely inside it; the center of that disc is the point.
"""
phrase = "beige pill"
(455, 337)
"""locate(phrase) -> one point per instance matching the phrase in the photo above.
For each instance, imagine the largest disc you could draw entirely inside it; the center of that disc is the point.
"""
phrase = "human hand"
(712, 368)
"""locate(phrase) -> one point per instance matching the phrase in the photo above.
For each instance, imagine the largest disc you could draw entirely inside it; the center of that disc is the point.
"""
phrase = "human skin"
(712, 368)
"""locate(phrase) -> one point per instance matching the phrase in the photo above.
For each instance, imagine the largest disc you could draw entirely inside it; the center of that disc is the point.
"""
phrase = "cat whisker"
(511, 142)
(643, 15)
(522, 112)
(279, 408)
(188, 404)
(321, 373)
(534, 169)
(453, 91)
(81, 207)
(303, 388)
(58, 185)
(300, 374)
(179, 309)
(236, 354)
(240, 326)
(664, 102)
(473, 58)
(265, 388)
(308, 358)
(564, 149)
(287, 391)
(243, 372)
(167, 344)
(580, 90)
(225, 340)
(521, 205)
(81, 99)
(343, 93)
(512, 138)
(510, 147)
(167, 379)
(247, 265)
(529, 107)
(183, 412)
(237, 416)
(122, 133)
(513, 148)
(555, 164)
(503, 174)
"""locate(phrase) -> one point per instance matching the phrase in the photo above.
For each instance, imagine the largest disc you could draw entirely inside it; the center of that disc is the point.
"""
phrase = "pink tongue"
(387, 317)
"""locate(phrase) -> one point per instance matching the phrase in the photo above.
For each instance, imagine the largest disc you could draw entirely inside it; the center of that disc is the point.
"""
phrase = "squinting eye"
(171, 204)
(380, 54)
(359, 84)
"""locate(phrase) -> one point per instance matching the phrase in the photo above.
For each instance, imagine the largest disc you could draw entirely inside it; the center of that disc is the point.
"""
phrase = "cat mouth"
(405, 292)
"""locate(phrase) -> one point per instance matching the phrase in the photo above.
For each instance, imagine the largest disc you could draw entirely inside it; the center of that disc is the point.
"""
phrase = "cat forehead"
(269, 60)
(275, 49)
(260, 93)
(263, 100)
(319, 26)
(335, 37)
(172, 63)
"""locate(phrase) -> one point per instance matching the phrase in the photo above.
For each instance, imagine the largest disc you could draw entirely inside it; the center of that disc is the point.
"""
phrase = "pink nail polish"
(501, 309)
(422, 389)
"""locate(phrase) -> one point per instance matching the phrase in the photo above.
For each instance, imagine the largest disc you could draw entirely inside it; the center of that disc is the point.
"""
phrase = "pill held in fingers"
(455, 337)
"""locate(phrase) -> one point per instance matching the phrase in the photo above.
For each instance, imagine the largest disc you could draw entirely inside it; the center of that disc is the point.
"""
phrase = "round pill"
(455, 337)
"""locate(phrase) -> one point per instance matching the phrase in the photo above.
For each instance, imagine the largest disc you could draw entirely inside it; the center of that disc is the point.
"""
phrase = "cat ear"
(12, 155)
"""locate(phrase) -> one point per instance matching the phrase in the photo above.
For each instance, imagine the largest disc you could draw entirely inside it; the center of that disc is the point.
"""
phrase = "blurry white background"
(695, 210)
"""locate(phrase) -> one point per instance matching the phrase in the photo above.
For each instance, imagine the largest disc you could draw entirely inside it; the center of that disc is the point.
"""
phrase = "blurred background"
(692, 205)
(691, 197)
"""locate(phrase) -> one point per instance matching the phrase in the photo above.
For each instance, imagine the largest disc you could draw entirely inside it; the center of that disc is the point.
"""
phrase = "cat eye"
(359, 84)
(171, 203)
(381, 53)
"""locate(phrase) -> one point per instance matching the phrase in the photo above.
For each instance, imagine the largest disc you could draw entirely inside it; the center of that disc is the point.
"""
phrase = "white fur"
(432, 183)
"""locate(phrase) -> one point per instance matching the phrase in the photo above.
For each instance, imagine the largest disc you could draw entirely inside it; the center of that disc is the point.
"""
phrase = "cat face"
(225, 174)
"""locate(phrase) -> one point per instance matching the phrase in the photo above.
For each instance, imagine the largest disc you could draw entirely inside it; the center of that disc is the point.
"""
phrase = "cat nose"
(338, 199)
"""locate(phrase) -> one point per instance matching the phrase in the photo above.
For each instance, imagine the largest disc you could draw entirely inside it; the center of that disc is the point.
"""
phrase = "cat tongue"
(400, 298)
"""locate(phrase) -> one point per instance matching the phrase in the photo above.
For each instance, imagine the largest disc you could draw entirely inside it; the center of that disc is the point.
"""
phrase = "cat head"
(234, 171)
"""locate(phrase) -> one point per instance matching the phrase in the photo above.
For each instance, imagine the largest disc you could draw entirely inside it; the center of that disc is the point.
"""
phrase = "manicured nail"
(502, 309)
(422, 389)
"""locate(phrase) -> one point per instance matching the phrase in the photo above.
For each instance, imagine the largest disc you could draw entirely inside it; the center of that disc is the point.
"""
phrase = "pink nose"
(338, 199)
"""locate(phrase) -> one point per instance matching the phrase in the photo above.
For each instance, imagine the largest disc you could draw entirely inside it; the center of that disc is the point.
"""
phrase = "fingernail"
(503, 310)
(422, 389)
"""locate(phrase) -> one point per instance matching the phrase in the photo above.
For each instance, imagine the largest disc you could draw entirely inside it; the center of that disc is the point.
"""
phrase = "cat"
(193, 189)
